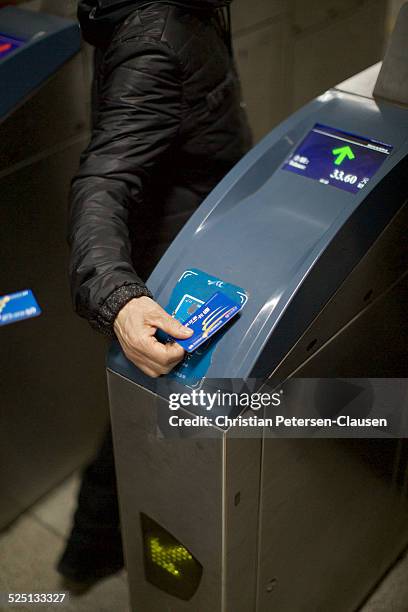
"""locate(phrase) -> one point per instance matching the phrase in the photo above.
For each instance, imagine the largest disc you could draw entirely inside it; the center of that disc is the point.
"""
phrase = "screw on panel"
(271, 584)
(311, 345)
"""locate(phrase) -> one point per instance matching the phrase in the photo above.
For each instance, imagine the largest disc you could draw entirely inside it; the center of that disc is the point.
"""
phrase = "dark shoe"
(74, 588)
(94, 547)
(86, 562)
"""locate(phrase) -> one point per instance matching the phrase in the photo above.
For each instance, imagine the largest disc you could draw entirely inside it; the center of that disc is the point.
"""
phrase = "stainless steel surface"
(204, 491)
(241, 499)
(179, 483)
(331, 522)
(298, 518)
(371, 345)
(376, 286)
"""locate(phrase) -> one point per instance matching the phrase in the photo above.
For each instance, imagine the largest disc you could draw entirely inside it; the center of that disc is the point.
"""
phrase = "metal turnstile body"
(277, 524)
(53, 406)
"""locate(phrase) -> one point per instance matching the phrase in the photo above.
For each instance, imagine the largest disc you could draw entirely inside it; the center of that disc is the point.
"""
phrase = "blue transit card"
(208, 319)
(16, 307)
(193, 288)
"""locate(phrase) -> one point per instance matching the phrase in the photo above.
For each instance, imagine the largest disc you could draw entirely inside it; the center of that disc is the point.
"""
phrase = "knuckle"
(150, 318)
(148, 371)
(162, 367)
(170, 362)
(178, 354)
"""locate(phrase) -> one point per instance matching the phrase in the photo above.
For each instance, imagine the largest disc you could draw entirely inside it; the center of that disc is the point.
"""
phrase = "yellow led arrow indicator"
(168, 557)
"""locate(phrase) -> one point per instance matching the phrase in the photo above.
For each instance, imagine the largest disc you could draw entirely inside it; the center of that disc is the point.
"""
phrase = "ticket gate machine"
(53, 406)
(312, 225)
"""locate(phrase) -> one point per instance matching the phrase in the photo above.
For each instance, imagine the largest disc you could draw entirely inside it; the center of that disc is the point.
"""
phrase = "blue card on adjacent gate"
(16, 307)
(208, 319)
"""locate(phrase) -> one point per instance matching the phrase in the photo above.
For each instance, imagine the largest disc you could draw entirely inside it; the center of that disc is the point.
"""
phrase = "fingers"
(152, 357)
(151, 368)
(165, 322)
(144, 364)
(135, 326)
(164, 354)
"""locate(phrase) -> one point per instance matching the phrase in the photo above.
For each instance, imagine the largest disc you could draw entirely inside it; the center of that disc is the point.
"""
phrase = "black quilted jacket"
(169, 126)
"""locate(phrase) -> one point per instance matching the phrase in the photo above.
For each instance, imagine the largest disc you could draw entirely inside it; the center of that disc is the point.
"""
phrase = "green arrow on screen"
(342, 153)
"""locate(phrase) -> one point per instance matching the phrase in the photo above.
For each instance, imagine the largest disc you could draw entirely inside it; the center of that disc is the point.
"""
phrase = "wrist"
(116, 302)
(127, 310)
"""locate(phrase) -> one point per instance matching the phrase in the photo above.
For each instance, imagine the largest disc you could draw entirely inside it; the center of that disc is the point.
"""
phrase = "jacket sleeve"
(139, 113)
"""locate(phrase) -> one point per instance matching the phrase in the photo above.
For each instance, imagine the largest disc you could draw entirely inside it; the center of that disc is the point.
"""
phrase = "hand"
(135, 327)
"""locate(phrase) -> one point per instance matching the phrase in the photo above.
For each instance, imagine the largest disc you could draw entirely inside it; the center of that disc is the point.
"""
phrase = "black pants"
(98, 503)
(94, 548)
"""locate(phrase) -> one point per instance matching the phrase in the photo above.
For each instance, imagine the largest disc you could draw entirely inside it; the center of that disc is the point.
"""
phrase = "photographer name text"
(277, 421)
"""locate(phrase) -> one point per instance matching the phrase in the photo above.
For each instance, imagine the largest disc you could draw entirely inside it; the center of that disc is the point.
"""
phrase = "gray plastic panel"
(288, 240)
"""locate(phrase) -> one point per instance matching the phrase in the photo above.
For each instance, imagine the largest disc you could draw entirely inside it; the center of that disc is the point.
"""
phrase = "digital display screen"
(337, 158)
(8, 45)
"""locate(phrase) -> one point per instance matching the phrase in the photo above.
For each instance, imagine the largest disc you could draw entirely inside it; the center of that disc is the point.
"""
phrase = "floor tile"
(28, 552)
(56, 509)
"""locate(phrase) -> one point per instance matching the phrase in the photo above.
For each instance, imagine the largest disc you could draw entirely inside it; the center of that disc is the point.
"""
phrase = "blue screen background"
(9, 44)
(314, 158)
